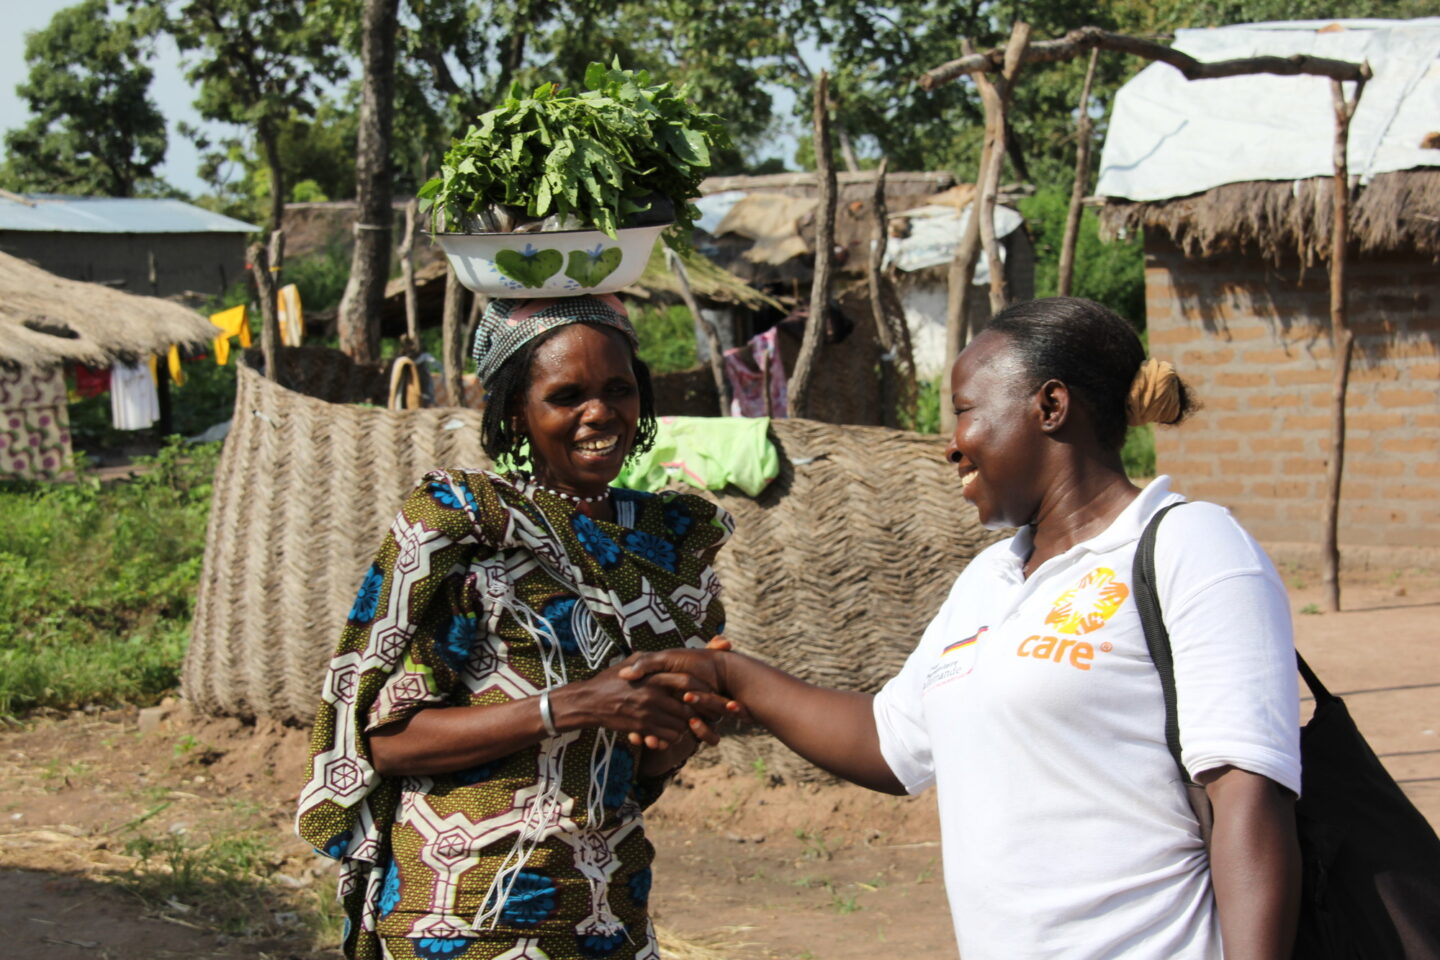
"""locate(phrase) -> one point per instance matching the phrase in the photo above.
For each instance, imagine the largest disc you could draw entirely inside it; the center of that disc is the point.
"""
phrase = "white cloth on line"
(1034, 708)
(1172, 137)
(134, 404)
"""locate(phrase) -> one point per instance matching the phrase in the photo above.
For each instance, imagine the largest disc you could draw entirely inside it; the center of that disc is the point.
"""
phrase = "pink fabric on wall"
(747, 384)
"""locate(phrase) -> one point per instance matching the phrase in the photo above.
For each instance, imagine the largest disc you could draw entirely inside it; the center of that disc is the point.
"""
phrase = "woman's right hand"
(659, 707)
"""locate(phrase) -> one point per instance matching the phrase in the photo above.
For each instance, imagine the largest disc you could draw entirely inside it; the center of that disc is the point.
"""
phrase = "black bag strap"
(1157, 638)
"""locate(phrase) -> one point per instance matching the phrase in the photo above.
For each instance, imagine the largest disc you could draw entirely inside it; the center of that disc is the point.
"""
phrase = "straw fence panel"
(832, 574)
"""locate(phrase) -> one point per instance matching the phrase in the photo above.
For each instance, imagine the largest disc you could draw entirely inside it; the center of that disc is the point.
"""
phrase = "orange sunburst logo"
(1087, 605)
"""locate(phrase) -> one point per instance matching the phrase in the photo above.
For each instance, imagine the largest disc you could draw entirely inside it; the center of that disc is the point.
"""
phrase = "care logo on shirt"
(1087, 605)
(1083, 608)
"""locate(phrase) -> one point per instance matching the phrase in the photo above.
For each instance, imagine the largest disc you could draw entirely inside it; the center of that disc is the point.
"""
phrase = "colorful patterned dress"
(486, 591)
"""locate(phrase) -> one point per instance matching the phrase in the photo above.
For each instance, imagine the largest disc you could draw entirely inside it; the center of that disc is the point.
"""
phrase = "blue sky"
(172, 94)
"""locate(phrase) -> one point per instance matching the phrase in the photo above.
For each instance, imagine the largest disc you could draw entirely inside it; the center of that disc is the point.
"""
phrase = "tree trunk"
(407, 268)
(359, 316)
(270, 146)
(269, 321)
(1342, 341)
(799, 387)
(1078, 189)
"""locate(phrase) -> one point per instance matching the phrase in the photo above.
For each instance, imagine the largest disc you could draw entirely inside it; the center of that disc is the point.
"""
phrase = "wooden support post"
(406, 252)
(269, 321)
(452, 361)
(799, 387)
(277, 257)
(712, 336)
(879, 238)
(1079, 188)
(959, 293)
(995, 92)
(1342, 340)
(897, 365)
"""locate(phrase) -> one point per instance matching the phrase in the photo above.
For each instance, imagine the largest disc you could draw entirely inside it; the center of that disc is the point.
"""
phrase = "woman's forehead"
(579, 347)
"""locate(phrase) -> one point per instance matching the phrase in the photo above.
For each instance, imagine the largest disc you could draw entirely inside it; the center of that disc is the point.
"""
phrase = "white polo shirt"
(1034, 708)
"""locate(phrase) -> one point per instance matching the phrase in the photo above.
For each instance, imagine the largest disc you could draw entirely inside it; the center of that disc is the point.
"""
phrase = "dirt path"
(752, 869)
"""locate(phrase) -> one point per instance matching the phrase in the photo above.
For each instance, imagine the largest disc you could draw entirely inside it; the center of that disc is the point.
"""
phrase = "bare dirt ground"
(130, 836)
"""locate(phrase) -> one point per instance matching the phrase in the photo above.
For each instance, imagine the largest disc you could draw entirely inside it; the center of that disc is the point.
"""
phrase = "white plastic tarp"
(1172, 137)
(935, 232)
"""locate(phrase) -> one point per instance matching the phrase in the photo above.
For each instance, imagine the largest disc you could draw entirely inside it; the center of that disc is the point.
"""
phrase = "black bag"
(1370, 862)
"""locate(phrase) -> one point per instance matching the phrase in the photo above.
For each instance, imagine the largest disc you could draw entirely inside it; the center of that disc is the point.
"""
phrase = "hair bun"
(1156, 394)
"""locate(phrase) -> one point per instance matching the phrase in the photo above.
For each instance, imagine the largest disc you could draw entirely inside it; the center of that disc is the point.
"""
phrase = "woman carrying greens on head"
(478, 765)
(1031, 702)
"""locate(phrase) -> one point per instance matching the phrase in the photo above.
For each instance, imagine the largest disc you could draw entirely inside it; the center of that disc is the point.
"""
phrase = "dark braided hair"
(506, 390)
(1086, 346)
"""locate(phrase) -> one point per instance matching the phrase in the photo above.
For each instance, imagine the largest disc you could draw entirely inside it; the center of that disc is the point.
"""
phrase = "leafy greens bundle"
(596, 159)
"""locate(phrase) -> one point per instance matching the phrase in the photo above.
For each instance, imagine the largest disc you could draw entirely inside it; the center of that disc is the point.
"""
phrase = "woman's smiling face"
(997, 442)
(581, 408)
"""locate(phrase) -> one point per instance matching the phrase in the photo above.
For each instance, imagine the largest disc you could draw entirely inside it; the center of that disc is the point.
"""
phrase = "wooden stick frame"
(1003, 64)
(799, 386)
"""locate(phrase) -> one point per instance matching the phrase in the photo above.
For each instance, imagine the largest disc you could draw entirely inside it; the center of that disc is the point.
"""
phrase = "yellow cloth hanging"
(232, 323)
(154, 373)
(290, 315)
(177, 373)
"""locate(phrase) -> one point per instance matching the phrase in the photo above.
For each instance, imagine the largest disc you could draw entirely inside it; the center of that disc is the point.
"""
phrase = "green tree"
(94, 128)
(258, 64)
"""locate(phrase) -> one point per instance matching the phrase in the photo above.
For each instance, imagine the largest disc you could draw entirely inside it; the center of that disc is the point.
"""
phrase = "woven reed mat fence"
(832, 574)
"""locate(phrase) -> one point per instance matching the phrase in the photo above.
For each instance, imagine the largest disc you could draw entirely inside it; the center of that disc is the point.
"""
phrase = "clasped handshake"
(674, 693)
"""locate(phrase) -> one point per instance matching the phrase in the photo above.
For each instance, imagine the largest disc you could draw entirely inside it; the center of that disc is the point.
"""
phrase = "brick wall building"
(1253, 340)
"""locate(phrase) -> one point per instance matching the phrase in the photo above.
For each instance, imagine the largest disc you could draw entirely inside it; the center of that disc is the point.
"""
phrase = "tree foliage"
(258, 64)
(94, 128)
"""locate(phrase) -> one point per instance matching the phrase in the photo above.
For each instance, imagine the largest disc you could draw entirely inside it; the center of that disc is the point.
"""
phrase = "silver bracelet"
(546, 717)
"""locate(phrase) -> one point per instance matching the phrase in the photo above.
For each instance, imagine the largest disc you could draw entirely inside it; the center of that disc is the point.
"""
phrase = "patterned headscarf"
(510, 324)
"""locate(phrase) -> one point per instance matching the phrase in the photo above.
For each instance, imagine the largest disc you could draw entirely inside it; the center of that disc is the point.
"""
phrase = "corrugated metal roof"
(49, 213)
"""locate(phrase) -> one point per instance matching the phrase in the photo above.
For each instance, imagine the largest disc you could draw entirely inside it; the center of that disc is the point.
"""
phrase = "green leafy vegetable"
(599, 159)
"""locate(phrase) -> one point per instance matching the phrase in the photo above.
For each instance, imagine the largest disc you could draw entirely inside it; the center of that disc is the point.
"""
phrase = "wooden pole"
(277, 257)
(799, 387)
(407, 271)
(712, 336)
(452, 362)
(1081, 185)
(995, 95)
(879, 239)
(959, 293)
(269, 321)
(897, 363)
(1342, 340)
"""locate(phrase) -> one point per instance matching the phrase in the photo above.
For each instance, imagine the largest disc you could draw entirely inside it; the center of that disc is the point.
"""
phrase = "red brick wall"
(1254, 343)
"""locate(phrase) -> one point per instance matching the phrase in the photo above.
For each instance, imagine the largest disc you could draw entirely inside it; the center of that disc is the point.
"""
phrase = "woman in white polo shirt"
(1031, 702)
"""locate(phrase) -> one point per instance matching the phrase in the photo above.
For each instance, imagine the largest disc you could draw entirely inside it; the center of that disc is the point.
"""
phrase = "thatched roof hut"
(1397, 212)
(46, 321)
(1237, 210)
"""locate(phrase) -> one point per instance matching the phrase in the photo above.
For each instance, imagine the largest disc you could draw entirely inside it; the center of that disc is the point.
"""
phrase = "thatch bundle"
(47, 320)
(1396, 212)
(833, 572)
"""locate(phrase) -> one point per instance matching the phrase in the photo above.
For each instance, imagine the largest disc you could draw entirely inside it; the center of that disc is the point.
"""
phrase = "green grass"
(667, 337)
(99, 583)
